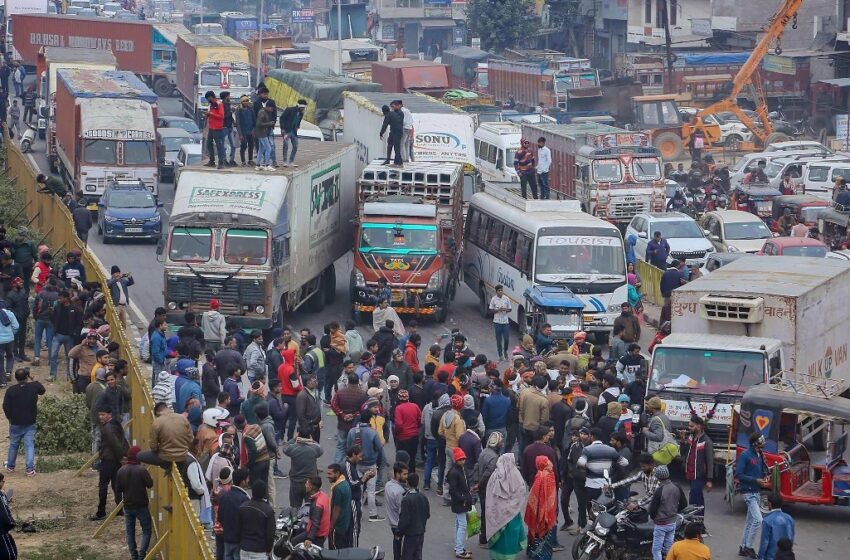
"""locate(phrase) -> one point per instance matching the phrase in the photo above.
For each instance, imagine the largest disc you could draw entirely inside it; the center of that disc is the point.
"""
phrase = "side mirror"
(706, 232)
(714, 237)
(160, 246)
(180, 164)
(642, 234)
(160, 204)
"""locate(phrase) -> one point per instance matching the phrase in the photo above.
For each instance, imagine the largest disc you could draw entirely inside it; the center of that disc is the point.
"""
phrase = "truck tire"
(441, 313)
(776, 137)
(670, 145)
(162, 87)
(329, 281)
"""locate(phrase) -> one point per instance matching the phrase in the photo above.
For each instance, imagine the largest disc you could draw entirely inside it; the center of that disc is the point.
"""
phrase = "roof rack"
(510, 193)
(810, 385)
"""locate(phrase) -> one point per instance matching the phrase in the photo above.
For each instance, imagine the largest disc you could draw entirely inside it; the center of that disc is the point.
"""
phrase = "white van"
(819, 176)
(796, 165)
(749, 162)
(495, 146)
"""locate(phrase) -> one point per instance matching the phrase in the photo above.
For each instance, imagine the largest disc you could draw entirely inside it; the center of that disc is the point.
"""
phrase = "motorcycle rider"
(786, 222)
(677, 202)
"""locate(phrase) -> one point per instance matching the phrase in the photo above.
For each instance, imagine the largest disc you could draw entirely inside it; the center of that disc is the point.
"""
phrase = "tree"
(500, 24)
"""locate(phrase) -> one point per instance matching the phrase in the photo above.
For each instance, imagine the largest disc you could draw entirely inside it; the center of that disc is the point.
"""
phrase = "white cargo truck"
(357, 57)
(263, 243)
(747, 323)
(442, 133)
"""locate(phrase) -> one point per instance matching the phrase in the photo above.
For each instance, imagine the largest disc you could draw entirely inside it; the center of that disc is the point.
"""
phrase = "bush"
(63, 425)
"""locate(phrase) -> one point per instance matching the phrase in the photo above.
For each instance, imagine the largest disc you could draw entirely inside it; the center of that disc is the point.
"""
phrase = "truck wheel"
(733, 142)
(670, 145)
(162, 88)
(441, 313)
(329, 281)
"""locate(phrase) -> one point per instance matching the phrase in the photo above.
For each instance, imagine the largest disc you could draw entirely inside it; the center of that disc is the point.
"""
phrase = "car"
(717, 260)
(798, 146)
(686, 239)
(128, 210)
(749, 162)
(778, 124)
(732, 130)
(794, 247)
(186, 124)
(188, 154)
(111, 8)
(168, 142)
(840, 255)
(734, 231)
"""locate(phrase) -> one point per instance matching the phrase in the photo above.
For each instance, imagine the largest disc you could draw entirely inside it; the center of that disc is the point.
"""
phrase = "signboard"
(842, 129)
(110, 134)
(701, 27)
(779, 64)
(206, 197)
(445, 138)
(438, 12)
(614, 139)
(305, 15)
(324, 207)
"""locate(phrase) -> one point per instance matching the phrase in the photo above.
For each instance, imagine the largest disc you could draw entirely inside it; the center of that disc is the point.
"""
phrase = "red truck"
(105, 129)
(407, 76)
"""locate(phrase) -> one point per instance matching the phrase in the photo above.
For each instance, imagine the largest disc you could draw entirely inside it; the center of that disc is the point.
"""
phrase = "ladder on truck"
(434, 182)
(809, 385)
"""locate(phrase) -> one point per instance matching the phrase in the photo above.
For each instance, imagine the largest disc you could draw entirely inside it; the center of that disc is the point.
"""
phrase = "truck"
(442, 133)
(357, 57)
(210, 63)
(410, 76)
(752, 321)
(144, 48)
(17, 7)
(468, 67)
(273, 44)
(554, 83)
(51, 60)
(262, 243)
(239, 26)
(614, 173)
(409, 232)
(105, 130)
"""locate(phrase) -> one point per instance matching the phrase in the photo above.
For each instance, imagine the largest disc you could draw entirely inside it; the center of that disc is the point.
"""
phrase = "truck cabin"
(619, 165)
(221, 76)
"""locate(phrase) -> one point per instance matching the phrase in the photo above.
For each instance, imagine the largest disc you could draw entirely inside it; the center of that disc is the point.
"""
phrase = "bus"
(521, 244)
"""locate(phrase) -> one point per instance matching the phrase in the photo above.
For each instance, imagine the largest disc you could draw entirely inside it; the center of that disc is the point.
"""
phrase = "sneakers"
(36, 362)
(465, 555)
(439, 490)
(269, 168)
(7, 467)
(232, 163)
(375, 518)
(210, 164)
(558, 548)
(747, 552)
(97, 517)
(30, 472)
(285, 165)
(259, 168)
(278, 474)
(291, 164)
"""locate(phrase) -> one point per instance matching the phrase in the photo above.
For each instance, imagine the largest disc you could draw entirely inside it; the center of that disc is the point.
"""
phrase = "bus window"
(495, 237)
(472, 224)
(491, 153)
(483, 223)
(500, 161)
(524, 250)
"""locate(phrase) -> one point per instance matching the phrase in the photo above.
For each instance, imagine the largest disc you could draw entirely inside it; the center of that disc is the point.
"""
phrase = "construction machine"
(659, 116)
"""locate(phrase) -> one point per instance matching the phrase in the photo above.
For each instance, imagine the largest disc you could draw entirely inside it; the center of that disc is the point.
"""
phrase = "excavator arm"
(786, 12)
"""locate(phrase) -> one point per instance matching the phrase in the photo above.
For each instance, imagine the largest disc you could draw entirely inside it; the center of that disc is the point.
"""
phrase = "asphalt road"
(821, 531)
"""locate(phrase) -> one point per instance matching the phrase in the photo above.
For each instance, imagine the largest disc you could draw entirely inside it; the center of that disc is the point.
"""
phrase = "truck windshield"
(100, 151)
(705, 371)
(246, 246)
(190, 244)
(398, 238)
(137, 152)
(646, 169)
(239, 79)
(747, 230)
(607, 170)
(566, 257)
(211, 78)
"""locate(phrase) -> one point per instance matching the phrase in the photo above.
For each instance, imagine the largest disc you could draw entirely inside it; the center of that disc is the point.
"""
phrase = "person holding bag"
(660, 441)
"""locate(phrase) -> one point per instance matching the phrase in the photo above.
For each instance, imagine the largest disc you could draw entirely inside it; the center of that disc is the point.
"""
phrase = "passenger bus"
(521, 244)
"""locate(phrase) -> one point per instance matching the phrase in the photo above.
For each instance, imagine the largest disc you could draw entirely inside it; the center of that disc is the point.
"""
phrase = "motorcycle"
(27, 139)
(292, 522)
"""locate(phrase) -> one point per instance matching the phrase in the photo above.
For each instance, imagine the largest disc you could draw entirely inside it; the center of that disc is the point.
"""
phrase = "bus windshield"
(561, 258)
(607, 170)
(190, 244)
(705, 371)
(398, 238)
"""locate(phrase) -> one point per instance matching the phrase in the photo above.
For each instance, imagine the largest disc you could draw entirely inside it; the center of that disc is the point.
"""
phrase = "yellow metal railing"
(177, 530)
(650, 278)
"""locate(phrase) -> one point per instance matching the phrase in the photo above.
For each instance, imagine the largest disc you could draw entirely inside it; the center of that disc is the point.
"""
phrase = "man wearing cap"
(113, 448)
(213, 325)
(118, 285)
(133, 482)
(460, 500)
(245, 120)
(290, 121)
(667, 501)
(752, 474)
(86, 354)
(401, 369)
(215, 130)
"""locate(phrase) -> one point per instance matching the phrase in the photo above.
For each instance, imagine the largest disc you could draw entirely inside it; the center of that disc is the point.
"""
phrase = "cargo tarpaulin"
(462, 57)
(321, 89)
(715, 59)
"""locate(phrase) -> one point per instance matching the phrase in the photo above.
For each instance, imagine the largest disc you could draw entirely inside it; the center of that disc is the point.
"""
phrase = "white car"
(798, 146)
(686, 238)
(732, 132)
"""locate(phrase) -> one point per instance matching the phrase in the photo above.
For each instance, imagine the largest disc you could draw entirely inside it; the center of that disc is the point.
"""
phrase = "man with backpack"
(253, 451)
(366, 438)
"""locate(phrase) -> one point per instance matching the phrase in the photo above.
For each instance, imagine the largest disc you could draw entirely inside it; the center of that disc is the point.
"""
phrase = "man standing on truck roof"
(215, 130)
(394, 120)
(524, 166)
(544, 162)
(290, 120)
(228, 127)
(407, 133)
(245, 120)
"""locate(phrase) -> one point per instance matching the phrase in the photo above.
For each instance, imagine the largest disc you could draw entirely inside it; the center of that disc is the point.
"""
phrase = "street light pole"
(260, 42)
(339, 36)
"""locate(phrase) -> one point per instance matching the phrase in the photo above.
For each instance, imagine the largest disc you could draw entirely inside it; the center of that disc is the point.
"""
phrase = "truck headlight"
(359, 279)
(91, 188)
(172, 305)
(260, 309)
(435, 281)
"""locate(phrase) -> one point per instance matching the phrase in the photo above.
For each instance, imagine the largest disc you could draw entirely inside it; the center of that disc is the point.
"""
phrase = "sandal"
(465, 555)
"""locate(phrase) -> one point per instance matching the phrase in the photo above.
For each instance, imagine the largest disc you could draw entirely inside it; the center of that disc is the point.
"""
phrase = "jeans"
(394, 144)
(450, 461)
(143, 515)
(696, 497)
(543, 181)
(274, 149)
(370, 487)
(107, 476)
(16, 434)
(43, 327)
(431, 448)
(264, 153)
(530, 180)
(216, 137)
(341, 437)
(460, 532)
(231, 551)
(290, 137)
(503, 335)
(60, 340)
(754, 519)
(21, 335)
(19, 89)
(662, 540)
(7, 358)
(247, 142)
(291, 417)
(228, 135)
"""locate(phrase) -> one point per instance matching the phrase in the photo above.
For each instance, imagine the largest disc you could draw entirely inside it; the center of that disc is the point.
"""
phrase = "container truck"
(442, 133)
(746, 323)
(273, 45)
(210, 63)
(357, 57)
(409, 233)
(105, 130)
(554, 83)
(51, 60)
(409, 76)
(614, 173)
(144, 48)
(238, 26)
(262, 243)
(468, 67)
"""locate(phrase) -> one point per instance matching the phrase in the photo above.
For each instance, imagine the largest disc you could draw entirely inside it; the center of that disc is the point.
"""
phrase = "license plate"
(679, 411)
(133, 230)
(693, 262)
(397, 295)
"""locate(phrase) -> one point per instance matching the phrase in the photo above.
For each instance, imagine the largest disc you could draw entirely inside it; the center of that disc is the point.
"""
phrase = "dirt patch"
(58, 503)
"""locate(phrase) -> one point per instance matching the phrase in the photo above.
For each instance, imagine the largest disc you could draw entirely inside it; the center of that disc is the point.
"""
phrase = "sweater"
(302, 455)
(255, 524)
(667, 501)
(212, 323)
(132, 483)
(407, 420)
(21, 401)
(228, 513)
(494, 410)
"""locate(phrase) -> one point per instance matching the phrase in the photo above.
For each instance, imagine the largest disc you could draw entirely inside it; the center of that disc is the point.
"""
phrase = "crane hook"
(794, 22)
(777, 50)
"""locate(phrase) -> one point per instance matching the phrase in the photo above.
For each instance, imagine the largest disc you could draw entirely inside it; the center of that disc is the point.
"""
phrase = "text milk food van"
(523, 244)
(105, 129)
(744, 323)
(260, 242)
(442, 133)
(409, 230)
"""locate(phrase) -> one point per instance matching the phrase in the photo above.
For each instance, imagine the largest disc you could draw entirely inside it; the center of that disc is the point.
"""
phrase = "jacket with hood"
(212, 322)
(451, 427)
(444, 404)
(411, 356)
(353, 343)
(290, 381)
(11, 326)
(163, 391)
(369, 442)
(630, 248)
(255, 360)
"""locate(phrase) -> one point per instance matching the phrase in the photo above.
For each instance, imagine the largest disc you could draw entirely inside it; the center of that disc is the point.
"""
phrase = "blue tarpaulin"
(709, 59)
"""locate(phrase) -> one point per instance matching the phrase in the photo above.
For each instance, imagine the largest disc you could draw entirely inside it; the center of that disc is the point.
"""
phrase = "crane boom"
(776, 26)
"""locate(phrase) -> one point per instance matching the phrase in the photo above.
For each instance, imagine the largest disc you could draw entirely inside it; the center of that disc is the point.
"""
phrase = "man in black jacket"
(255, 522)
(415, 512)
(387, 342)
(461, 501)
(82, 220)
(17, 301)
(9, 270)
(20, 405)
(394, 120)
(67, 324)
(229, 504)
(290, 120)
(113, 448)
(133, 481)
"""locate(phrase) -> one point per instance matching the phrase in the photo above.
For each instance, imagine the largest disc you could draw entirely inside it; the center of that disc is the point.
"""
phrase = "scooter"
(293, 521)
(27, 139)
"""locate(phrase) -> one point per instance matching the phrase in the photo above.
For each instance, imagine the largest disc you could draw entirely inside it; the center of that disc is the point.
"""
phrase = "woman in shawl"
(505, 496)
(541, 512)
(484, 469)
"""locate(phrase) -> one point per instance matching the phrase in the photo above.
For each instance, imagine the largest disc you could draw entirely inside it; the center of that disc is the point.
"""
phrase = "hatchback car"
(128, 210)
(185, 123)
(686, 239)
(168, 142)
(794, 247)
(734, 231)
(189, 154)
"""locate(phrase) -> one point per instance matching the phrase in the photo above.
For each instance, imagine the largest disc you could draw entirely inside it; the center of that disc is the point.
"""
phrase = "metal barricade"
(650, 277)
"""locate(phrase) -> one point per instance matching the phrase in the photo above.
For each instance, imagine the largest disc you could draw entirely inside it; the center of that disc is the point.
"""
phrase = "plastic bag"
(473, 522)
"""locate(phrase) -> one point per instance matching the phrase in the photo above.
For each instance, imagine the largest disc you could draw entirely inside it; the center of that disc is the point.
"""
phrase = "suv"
(128, 210)
(686, 239)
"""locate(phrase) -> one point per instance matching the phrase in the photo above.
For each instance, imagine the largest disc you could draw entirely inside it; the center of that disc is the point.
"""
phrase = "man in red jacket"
(408, 418)
(215, 130)
(290, 386)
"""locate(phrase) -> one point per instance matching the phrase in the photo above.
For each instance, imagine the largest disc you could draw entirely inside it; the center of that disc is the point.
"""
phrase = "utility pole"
(339, 36)
(665, 22)
(260, 41)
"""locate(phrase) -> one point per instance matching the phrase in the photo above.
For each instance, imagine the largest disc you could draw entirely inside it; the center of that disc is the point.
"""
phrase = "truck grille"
(687, 255)
(627, 209)
(231, 294)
